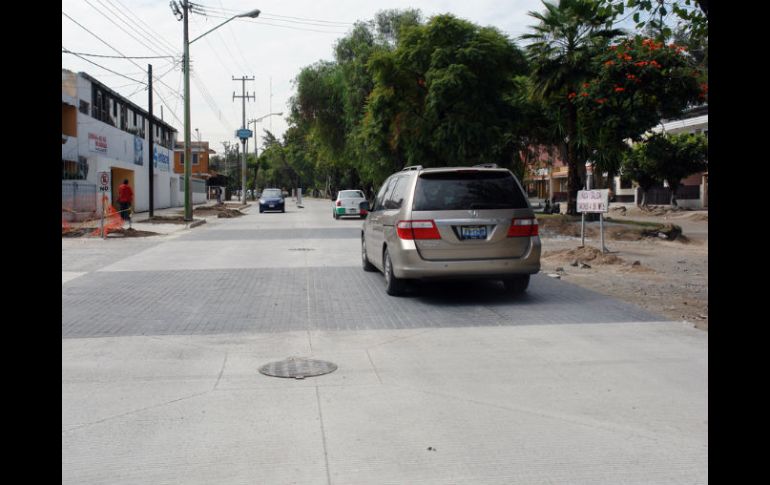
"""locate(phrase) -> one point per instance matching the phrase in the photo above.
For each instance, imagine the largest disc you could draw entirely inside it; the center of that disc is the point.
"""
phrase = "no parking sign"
(104, 182)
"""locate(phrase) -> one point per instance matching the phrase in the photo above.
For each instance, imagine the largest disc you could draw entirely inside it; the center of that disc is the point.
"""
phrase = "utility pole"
(151, 145)
(187, 147)
(256, 154)
(243, 97)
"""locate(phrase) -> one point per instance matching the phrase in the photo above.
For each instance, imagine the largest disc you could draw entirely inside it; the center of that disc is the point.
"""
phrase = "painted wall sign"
(138, 151)
(161, 160)
(97, 143)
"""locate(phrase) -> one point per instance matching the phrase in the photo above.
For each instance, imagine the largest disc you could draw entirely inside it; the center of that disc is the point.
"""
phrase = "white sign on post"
(104, 182)
(593, 200)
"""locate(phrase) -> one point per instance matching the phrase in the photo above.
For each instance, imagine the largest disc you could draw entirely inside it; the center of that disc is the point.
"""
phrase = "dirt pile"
(669, 232)
(166, 220)
(584, 255)
(131, 233)
(570, 227)
(94, 232)
(77, 231)
(221, 210)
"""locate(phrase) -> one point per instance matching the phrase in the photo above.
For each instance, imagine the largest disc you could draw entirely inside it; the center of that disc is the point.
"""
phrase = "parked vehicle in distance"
(350, 203)
(451, 223)
(272, 200)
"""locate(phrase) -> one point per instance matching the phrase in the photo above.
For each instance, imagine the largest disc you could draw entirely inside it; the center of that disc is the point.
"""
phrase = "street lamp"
(256, 154)
(187, 148)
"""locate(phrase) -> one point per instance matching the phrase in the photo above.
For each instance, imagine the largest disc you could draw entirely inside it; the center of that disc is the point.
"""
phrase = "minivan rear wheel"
(393, 286)
(516, 285)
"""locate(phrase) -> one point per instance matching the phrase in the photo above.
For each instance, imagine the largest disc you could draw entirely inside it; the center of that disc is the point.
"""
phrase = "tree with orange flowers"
(638, 83)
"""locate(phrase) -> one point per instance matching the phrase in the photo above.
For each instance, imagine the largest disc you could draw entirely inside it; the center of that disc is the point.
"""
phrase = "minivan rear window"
(465, 190)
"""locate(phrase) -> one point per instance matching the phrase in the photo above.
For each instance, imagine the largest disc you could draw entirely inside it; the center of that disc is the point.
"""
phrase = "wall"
(107, 147)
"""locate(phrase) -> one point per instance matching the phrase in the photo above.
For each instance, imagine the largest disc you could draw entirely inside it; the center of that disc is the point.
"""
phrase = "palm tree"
(561, 50)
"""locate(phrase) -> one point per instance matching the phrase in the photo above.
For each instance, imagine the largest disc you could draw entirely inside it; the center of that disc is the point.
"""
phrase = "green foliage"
(677, 156)
(637, 83)
(658, 15)
(444, 96)
(666, 157)
(562, 51)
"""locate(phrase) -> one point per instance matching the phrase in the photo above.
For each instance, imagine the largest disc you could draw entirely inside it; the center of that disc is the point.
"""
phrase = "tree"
(562, 50)
(444, 96)
(639, 167)
(637, 83)
(675, 157)
(657, 15)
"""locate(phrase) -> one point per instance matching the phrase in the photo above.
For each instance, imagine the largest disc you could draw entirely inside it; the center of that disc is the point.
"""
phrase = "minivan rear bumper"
(408, 264)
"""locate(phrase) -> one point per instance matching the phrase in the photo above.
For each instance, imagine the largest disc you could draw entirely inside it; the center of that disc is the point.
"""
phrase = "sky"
(287, 36)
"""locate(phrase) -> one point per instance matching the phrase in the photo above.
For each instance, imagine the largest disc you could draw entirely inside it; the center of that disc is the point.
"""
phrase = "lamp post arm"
(215, 28)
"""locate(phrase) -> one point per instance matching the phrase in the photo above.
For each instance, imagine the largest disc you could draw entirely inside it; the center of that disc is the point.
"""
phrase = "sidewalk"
(140, 220)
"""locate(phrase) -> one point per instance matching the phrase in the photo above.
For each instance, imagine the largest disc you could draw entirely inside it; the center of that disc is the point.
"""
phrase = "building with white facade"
(103, 131)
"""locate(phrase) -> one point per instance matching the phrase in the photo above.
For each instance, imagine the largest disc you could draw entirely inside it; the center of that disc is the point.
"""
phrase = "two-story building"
(199, 167)
(103, 131)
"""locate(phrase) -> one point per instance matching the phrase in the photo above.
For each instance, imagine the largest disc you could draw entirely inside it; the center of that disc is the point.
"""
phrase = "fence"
(662, 195)
(78, 200)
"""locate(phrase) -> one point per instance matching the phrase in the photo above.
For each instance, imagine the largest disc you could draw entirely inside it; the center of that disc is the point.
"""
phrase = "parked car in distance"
(272, 200)
(451, 223)
(350, 203)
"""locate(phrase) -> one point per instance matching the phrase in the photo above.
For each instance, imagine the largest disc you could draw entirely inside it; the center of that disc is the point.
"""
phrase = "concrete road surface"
(163, 338)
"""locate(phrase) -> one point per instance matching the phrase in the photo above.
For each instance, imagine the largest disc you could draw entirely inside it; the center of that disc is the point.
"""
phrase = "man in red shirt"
(125, 197)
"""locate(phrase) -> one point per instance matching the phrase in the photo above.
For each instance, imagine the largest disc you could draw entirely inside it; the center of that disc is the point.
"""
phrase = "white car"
(350, 203)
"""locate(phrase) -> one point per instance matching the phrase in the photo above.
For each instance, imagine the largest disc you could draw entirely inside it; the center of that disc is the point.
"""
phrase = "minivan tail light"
(523, 228)
(417, 230)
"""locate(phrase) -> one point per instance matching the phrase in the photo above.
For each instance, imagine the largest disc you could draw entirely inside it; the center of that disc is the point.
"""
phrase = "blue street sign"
(244, 133)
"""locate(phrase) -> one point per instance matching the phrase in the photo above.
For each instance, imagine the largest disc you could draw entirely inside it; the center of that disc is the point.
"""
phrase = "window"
(396, 195)
(84, 106)
(123, 117)
(195, 159)
(462, 190)
(381, 195)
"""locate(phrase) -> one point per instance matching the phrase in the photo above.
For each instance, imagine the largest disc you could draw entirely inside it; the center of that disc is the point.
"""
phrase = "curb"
(196, 223)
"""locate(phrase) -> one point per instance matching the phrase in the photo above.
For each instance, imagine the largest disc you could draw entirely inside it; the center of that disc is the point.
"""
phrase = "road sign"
(244, 133)
(104, 182)
(593, 200)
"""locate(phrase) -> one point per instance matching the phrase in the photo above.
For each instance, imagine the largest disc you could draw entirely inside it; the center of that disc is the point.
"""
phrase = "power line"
(116, 50)
(119, 57)
(152, 39)
(99, 65)
(284, 26)
(237, 44)
(230, 11)
(231, 56)
(149, 30)
(99, 11)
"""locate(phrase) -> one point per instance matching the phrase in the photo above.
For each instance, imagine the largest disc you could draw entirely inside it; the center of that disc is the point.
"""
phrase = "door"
(373, 229)
(118, 176)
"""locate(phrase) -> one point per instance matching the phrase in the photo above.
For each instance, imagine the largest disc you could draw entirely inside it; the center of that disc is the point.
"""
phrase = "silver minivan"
(454, 222)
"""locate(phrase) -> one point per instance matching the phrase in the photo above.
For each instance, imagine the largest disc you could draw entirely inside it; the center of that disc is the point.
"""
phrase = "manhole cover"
(297, 368)
(301, 249)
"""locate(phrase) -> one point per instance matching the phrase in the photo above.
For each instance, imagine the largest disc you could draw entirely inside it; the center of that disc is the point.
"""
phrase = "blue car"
(272, 200)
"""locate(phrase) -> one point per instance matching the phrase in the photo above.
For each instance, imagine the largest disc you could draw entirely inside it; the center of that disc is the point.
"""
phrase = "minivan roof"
(453, 169)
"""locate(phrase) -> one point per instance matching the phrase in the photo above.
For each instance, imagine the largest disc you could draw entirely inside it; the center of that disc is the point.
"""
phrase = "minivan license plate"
(473, 232)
